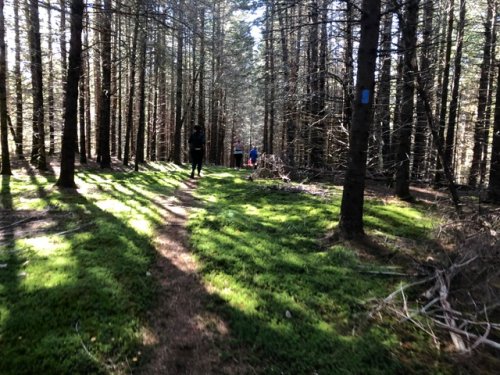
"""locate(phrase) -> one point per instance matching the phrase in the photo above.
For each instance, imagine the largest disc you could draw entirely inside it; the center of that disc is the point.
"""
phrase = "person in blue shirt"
(253, 157)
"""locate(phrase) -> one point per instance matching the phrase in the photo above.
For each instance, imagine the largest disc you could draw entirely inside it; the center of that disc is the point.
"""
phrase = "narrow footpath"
(184, 336)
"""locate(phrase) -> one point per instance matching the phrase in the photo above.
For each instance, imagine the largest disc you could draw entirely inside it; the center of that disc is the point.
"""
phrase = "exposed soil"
(184, 337)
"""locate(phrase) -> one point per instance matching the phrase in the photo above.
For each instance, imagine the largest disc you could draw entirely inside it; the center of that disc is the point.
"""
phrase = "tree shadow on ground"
(300, 307)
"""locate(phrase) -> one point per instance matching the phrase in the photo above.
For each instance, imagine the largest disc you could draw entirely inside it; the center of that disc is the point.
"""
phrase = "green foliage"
(75, 287)
(300, 308)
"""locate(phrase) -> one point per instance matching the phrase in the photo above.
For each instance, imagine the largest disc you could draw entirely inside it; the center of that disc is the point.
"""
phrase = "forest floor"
(188, 329)
(185, 336)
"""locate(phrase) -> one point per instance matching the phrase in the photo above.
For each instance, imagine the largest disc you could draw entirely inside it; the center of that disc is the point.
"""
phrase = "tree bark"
(351, 212)
(139, 150)
(38, 154)
(452, 120)
(420, 144)
(494, 181)
(19, 85)
(402, 183)
(130, 104)
(105, 117)
(177, 152)
(383, 110)
(479, 130)
(5, 167)
(51, 102)
(66, 177)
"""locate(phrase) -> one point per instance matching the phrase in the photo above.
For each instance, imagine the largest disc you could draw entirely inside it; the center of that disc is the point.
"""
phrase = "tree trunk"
(105, 117)
(383, 110)
(38, 155)
(66, 177)
(52, 143)
(177, 152)
(452, 120)
(315, 100)
(479, 130)
(130, 104)
(487, 119)
(494, 182)
(420, 145)
(444, 87)
(351, 212)
(402, 186)
(139, 154)
(88, 117)
(201, 83)
(62, 46)
(97, 80)
(19, 85)
(81, 109)
(5, 167)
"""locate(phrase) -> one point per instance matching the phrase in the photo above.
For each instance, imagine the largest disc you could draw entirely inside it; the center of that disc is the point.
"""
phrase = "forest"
(366, 240)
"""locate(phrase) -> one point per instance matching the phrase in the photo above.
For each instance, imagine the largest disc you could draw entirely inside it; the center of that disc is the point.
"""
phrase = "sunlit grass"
(299, 307)
(75, 287)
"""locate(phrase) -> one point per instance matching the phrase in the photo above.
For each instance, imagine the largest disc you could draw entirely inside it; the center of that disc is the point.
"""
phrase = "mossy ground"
(75, 286)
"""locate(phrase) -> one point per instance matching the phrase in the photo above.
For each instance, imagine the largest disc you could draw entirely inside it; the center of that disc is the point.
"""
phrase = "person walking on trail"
(197, 148)
(238, 154)
(253, 157)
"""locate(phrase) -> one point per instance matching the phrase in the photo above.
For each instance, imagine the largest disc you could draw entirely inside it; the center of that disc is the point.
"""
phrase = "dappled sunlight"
(237, 295)
(259, 251)
(77, 269)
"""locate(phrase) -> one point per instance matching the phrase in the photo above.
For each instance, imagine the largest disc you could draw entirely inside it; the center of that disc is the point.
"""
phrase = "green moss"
(81, 280)
(298, 307)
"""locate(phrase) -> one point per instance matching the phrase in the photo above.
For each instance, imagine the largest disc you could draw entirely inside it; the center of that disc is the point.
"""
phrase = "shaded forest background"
(150, 71)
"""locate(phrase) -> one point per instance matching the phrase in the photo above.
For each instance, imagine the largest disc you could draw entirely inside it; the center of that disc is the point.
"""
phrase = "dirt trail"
(185, 337)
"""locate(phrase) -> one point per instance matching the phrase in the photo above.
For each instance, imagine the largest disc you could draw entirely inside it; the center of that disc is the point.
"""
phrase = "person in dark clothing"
(197, 148)
(238, 154)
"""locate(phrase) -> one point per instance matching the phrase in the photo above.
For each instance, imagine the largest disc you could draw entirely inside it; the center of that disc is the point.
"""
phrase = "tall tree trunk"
(348, 67)
(479, 130)
(81, 110)
(114, 85)
(215, 100)
(5, 167)
(445, 84)
(289, 76)
(494, 182)
(177, 152)
(97, 80)
(88, 117)
(38, 154)
(52, 140)
(402, 183)
(19, 85)
(63, 48)
(66, 177)
(119, 93)
(267, 78)
(351, 211)
(383, 110)
(139, 155)
(105, 118)
(420, 145)
(201, 83)
(487, 117)
(130, 104)
(452, 120)
(315, 104)
(272, 83)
